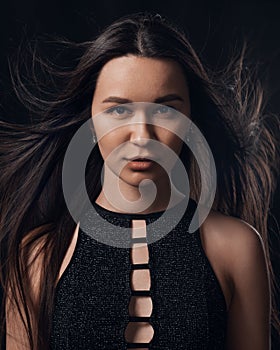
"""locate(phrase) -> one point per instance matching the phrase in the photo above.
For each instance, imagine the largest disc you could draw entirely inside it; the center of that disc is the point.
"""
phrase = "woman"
(65, 286)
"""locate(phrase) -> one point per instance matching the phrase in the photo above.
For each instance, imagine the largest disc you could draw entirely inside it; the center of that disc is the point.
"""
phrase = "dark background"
(213, 27)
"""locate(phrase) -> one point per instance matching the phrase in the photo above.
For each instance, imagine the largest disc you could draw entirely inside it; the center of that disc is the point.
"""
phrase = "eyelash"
(170, 108)
(113, 109)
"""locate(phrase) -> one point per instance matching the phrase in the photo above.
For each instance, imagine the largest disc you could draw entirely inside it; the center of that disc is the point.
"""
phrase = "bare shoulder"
(16, 334)
(236, 251)
(234, 240)
(69, 252)
(36, 253)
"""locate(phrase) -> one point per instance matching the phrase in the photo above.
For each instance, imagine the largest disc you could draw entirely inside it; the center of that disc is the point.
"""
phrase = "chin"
(135, 178)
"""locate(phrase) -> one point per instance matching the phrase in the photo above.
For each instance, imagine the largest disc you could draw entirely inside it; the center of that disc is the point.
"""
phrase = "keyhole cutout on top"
(140, 306)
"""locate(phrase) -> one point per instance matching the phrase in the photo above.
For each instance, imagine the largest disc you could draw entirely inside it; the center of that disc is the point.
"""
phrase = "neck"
(119, 196)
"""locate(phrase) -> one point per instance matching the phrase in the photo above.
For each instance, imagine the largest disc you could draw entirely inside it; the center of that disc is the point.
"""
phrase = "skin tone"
(130, 79)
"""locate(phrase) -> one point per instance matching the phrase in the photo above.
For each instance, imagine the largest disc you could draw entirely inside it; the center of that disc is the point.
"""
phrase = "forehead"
(140, 78)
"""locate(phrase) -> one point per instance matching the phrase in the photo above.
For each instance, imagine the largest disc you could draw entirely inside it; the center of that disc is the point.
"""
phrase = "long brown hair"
(31, 156)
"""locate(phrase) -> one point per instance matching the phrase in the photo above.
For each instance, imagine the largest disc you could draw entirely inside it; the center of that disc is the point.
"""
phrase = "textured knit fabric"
(92, 296)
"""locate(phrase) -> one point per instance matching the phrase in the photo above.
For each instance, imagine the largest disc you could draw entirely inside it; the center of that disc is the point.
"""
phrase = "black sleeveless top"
(92, 296)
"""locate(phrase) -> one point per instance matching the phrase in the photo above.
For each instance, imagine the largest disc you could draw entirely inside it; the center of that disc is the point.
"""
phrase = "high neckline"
(114, 228)
(139, 216)
(126, 215)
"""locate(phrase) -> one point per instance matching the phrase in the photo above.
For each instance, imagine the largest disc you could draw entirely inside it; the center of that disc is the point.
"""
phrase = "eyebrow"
(166, 98)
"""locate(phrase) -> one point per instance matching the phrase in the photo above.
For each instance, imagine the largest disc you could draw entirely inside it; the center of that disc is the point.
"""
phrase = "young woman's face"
(127, 125)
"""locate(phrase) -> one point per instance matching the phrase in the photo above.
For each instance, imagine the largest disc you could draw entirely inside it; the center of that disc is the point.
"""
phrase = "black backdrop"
(213, 28)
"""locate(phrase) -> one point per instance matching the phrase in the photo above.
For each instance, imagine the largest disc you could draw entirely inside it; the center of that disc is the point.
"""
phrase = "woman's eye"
(165, 110)
(119, 111)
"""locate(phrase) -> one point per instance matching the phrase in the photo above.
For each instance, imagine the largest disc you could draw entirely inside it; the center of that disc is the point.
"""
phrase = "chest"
(94, 300)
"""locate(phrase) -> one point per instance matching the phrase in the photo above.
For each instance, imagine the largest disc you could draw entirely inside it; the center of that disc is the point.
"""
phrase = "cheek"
(178, 143)
(171, 140)
(110, 142)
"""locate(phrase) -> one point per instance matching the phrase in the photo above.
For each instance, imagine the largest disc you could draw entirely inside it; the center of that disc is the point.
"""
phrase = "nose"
(141, 129)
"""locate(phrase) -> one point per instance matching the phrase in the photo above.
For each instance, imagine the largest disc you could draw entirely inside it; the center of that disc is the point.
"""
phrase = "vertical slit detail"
(139, 331)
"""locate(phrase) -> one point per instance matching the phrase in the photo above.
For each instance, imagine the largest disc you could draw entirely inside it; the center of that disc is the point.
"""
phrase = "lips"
(140, 164)
(141, 160)
(144, 158)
